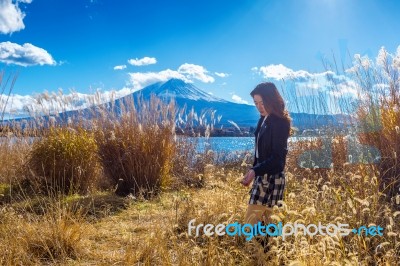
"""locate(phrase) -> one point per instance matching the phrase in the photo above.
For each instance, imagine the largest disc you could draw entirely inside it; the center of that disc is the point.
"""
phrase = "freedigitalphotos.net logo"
(259, 229)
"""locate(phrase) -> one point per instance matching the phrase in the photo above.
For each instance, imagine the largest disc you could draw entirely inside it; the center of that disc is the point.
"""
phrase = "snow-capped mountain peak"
(176, 88)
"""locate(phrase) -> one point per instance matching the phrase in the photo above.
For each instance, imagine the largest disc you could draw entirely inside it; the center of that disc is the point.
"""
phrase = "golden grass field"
(104, 229)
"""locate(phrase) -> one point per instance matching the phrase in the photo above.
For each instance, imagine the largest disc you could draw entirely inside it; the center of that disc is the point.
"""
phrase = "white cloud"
(11, 16)
(186, 72)
(307, 89)
(221, 75)
(303, 88)
(314, 86)
(310, 83)
(106, 96)
(196, 72)
(143, 61)
(140, 80)
(45, 103)
(24, 55)
(238, 99)
(15, 104)
(120, 67)
(281, 72)
(348, 89)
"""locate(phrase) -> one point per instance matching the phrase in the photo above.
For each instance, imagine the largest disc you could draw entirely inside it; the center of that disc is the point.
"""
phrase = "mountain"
(186, 94)
(189, 96)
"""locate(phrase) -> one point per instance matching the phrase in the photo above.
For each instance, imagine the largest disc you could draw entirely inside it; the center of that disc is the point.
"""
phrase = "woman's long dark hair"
(272, 100)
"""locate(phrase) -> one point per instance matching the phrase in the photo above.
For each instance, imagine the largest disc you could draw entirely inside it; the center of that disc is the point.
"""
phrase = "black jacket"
(272, 145)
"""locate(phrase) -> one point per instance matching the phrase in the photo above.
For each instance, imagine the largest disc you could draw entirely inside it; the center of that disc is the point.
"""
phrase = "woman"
(271, 136)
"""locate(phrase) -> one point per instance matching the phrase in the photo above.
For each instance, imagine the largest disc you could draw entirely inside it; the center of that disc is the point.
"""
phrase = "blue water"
(233, 144)
(225, 144)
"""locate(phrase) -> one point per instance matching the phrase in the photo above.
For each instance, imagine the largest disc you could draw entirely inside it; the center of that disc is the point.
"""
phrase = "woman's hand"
(248, 178)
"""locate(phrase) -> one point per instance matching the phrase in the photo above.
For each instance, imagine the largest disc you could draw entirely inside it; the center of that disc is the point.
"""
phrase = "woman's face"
(259, 104)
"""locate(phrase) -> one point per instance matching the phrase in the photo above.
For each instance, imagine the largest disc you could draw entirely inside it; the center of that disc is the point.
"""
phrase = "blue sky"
(224, 47)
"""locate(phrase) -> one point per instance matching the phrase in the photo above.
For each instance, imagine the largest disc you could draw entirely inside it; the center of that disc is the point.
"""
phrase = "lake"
(232, 144)
(225, 144)
(356, 153)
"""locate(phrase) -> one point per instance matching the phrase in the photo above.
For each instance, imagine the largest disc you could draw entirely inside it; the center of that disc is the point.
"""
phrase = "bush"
(65, 160)
(136, 149)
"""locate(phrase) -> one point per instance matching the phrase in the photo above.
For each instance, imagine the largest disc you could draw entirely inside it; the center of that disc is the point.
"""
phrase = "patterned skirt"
(267, 190)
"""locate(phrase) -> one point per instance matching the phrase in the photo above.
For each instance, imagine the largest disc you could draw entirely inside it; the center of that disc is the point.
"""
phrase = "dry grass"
(13, 155)
(34, 239)
(64, 160)
(136, 150)
(155, 232)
